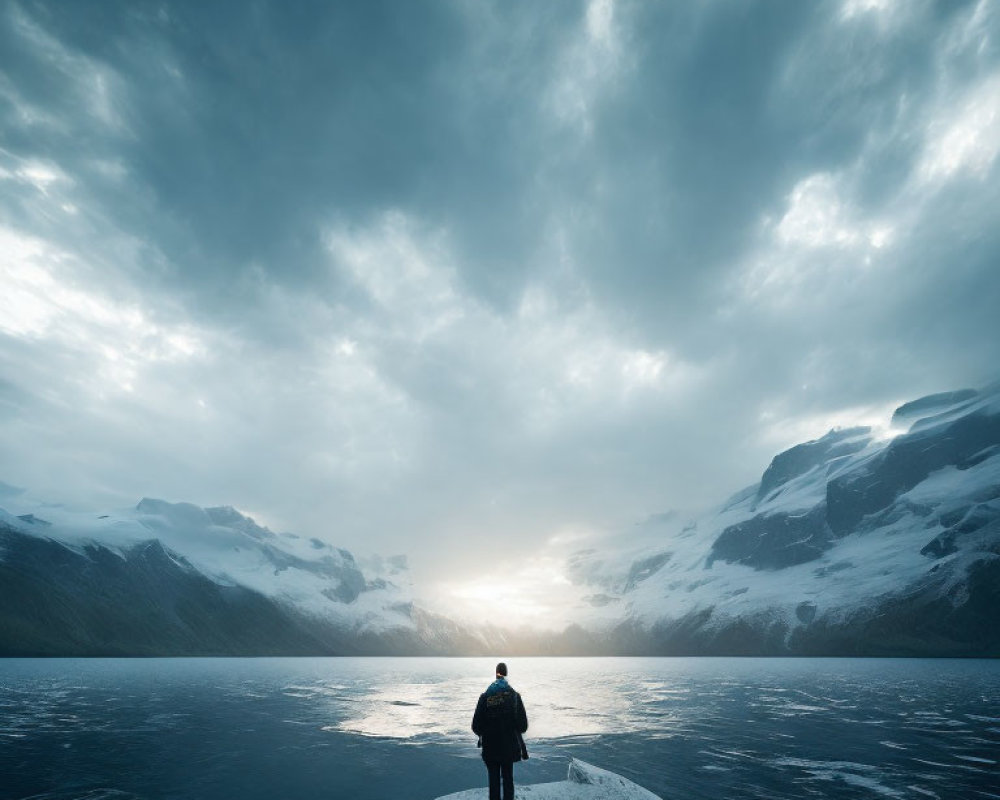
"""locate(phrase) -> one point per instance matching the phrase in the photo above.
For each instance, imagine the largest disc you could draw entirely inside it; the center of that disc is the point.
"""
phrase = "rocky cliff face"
(143, 600)
(176, 579)
(849, 545)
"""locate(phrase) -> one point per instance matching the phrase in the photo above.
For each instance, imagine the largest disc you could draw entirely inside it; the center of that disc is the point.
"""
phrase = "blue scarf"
(499, 685)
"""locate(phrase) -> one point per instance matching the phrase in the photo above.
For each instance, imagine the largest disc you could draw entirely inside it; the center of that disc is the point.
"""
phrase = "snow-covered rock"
(204, 581)
(583, 782)
(853, 544)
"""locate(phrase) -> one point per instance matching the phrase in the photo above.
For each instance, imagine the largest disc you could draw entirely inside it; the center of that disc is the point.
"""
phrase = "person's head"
(501, 670)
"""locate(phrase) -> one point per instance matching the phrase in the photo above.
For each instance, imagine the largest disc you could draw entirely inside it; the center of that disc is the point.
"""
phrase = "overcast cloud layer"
(455, 278)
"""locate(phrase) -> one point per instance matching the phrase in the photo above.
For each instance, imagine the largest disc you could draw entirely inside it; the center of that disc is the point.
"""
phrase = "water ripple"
(686, 728)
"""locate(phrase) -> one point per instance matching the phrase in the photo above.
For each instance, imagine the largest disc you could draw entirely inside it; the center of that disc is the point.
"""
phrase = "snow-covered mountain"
(168, 578)
(855, 543)
(858, 543)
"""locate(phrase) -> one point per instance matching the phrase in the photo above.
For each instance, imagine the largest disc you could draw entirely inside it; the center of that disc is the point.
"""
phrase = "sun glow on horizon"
(534, 593)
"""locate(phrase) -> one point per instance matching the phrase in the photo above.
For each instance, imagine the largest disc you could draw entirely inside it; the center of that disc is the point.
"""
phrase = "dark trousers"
(496, 769)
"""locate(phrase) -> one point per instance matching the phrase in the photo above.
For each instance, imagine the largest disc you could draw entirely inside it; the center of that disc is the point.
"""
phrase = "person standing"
(499, 721)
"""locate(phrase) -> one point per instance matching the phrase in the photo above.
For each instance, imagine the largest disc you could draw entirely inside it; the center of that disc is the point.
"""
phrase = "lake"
(291, 729)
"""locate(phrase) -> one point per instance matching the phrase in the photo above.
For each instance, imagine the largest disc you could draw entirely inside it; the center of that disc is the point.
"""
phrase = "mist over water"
(399, 727)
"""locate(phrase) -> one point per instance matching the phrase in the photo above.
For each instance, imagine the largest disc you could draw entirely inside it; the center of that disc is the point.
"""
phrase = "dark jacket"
(499, 721)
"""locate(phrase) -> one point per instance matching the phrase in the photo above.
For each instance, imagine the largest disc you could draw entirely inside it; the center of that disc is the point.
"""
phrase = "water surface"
(360, 728)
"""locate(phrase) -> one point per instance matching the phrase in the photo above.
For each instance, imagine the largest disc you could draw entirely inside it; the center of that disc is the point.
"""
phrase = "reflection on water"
(568, 701)
(374, 728)
(403, 711)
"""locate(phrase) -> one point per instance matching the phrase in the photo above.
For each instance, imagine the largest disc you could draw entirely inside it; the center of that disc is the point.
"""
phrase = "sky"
(473, 281)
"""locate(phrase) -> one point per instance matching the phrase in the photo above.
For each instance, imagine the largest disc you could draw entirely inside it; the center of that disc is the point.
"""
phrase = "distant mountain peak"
(908, 413)
(801, 458)
(851, 544)
(231, 518)
(187, 514)
(177, 579)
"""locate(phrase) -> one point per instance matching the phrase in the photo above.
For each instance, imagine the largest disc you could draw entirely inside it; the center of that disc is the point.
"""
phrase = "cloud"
(591, 63)
(433, 278)
(89, 87)
(41, 303)
(965, 138)
(479, 381)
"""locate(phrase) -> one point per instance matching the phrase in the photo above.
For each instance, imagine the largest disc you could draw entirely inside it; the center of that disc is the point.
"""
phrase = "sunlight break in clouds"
(855, 8)
(533, 592)
(966, 138)
(818, 217)
(40, 302)
(820, 239)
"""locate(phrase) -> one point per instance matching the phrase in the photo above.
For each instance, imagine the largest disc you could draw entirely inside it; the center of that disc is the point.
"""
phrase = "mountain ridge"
(850, 544)
(886, 547)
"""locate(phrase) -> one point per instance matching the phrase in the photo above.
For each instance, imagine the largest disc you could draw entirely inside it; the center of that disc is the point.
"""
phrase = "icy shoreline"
(583, 782)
